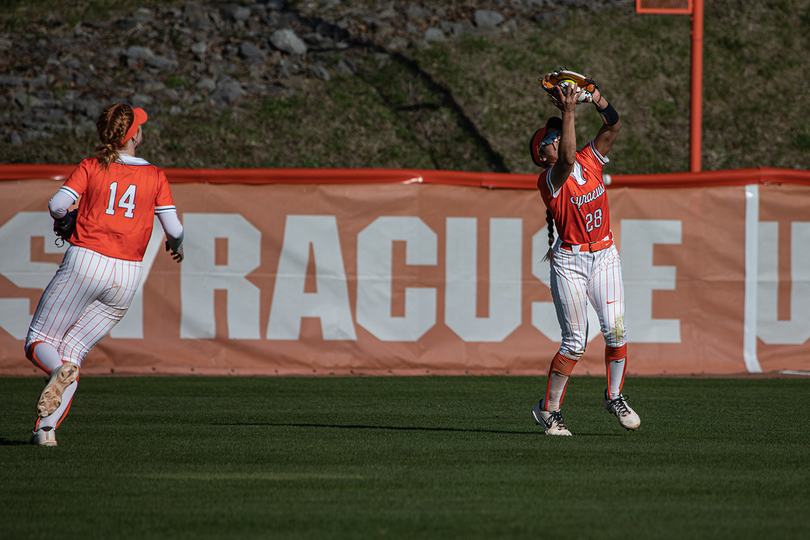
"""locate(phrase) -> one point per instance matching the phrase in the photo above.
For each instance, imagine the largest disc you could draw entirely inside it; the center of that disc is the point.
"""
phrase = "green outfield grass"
(420, 457)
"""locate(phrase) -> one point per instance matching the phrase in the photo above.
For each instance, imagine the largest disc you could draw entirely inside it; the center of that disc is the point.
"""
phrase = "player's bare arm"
(608, 132)
(567, 145)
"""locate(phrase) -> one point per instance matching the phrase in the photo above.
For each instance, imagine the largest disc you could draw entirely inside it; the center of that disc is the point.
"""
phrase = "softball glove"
(565, 78)
(63, 227)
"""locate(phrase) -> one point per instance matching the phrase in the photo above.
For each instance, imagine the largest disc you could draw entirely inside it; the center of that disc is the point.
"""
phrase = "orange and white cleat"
(43, 437)
(552, 421)
(627, 417)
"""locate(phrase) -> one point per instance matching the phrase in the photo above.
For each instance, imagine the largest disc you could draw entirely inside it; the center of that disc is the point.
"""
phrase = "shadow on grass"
(401, 428)
(392, 428)
(12, 442)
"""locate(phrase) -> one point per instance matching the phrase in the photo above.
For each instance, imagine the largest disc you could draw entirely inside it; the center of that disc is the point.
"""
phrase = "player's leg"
(569, 282)
(62, 375)
(568, 289)
(72, 288)
(547, 411)
(606, 292)
(77, 282)
(45, 356)
(615, 369)
(94, 323)
(105, 312)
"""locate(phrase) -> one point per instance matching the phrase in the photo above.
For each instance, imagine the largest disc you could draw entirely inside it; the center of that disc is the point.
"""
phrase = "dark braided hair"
(550, 220)
(112, 126)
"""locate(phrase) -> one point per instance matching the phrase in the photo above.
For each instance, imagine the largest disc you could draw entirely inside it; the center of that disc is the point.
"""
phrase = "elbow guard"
(609, 115)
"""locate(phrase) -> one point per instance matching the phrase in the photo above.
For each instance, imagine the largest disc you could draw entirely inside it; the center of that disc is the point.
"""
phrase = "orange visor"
(140, 118)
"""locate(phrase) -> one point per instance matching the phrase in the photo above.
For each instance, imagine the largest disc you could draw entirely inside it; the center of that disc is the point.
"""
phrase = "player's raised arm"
(566, 101)
(611, 124)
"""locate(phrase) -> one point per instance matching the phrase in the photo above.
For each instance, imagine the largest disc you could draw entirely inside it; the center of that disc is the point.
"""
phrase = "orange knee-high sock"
(615, 368)
(558, 374)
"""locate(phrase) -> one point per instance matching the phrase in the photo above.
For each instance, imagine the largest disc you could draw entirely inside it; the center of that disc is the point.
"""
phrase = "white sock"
(616, 377)
(47, 355)
(556, 388)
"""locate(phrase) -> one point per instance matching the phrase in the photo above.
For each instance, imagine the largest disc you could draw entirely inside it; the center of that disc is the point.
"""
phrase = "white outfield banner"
(424, 278)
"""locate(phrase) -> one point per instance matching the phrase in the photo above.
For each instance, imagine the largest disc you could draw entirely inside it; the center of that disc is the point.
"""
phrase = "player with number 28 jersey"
(585, 265)
(580, 206)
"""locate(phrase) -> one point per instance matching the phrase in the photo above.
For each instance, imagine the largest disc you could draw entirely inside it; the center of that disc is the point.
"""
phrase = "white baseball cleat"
(627, 416)
(43, 437)
(51, 396)
(552, 421)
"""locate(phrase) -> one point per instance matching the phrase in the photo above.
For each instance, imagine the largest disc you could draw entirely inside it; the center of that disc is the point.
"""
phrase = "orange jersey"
(580, 207)
(117, 205)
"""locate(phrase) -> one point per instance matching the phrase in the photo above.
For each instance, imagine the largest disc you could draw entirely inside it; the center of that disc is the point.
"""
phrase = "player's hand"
(565, 98)
(177, 254)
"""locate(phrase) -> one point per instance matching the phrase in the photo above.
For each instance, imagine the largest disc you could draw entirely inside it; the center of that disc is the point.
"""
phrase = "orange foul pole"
(696, 115)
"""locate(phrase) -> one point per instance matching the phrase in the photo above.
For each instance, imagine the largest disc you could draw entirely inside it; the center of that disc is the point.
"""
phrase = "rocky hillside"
(56, 77)
(267, 68)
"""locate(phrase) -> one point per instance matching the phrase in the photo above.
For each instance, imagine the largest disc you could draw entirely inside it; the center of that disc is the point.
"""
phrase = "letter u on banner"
(374, 280)
(461, 278)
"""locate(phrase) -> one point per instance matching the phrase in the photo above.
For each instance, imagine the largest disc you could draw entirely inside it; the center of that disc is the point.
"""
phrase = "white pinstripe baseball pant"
(87, 297)
(577, 278)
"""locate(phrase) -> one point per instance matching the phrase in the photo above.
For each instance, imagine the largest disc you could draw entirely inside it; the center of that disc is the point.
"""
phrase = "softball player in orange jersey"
(584, 262)
(118, 195)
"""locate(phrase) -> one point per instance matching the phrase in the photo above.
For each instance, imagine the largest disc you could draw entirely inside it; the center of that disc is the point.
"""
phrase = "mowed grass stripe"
(250, 476)
(419, 457)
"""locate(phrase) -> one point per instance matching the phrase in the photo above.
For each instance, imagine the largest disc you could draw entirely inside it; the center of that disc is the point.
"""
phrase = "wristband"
(609, 115)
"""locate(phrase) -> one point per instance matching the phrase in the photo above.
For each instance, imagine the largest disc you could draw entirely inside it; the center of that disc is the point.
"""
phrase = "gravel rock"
(162, 63)
(347, 67)
(199, 48)
(434, 34)
(397, 44)
(24, 101)
(31, 135)
(11, 80)
(206, 85)
(484, 17)
(235, 12)
(416, 13)
(86, 107)
(142, 100)
(251, 53)
(553, 18)
(139, 53)
(227, 91)
(456, 28)
(287, 40)
(320, 72)
(42, 118)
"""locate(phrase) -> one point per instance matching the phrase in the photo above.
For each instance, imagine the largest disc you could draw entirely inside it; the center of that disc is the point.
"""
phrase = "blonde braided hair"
(112, 126)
